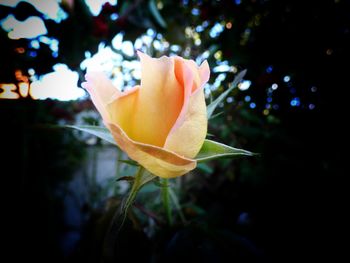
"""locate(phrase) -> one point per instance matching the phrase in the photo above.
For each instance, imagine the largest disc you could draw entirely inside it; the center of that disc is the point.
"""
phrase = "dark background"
(287, 204)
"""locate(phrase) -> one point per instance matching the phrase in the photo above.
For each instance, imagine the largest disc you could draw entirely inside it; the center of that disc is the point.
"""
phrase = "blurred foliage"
(286, 204)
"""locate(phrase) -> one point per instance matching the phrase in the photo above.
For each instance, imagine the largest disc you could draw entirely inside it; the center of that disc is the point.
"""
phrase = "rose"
(162, 123)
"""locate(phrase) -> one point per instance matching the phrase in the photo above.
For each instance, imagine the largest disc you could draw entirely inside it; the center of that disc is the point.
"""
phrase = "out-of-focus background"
(60, 188)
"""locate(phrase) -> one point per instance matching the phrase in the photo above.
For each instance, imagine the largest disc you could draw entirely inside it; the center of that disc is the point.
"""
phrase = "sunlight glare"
(50, 8)
(30, 28)
(104, 60)
(8, 91)
(244, 85)
(95, 6)
(23, 89)
(60, 84)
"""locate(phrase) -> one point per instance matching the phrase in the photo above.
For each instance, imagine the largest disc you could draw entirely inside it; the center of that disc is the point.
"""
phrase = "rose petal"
(204, 73)
(184, 76)
(191, 127)
(200, 74)
(187, 139)
(158, 161)
(196, 78)
(101, 91)
(122, 108)
(156, 106)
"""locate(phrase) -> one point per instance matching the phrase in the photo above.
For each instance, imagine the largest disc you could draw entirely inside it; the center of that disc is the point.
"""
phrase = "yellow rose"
(162, 123)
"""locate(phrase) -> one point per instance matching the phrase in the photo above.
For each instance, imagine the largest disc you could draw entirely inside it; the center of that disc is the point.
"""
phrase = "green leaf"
(129, 162)
(212, 106)
(126, 178)
(214, 150)
(101, 132)
(155, 12)
(216, 115)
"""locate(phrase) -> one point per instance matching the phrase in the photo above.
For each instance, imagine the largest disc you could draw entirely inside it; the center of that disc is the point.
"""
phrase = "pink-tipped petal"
(188, 137)
(190, 129)
(204, 73)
